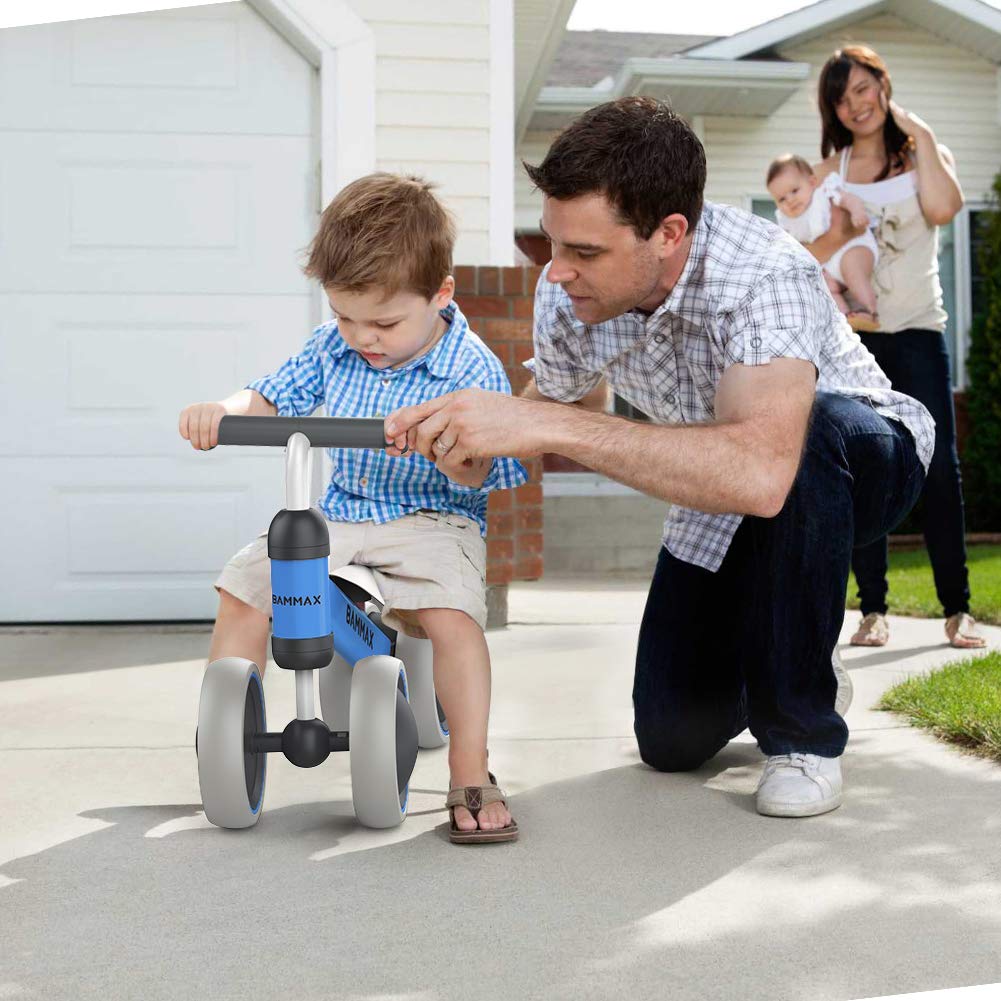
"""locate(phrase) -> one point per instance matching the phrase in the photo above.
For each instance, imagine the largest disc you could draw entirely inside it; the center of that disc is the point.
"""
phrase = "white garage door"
(157, 187)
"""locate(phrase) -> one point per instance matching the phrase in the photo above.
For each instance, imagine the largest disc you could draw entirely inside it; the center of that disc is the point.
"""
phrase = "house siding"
(433, 105)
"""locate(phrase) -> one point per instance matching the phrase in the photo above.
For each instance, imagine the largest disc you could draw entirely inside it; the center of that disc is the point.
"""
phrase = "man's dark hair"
(636, 152)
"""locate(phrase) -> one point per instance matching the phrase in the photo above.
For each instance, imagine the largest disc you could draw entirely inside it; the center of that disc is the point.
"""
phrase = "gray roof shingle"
(585, 57)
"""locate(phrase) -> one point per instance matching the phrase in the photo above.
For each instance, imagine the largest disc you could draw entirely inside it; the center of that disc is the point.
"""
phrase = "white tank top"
(906, 280)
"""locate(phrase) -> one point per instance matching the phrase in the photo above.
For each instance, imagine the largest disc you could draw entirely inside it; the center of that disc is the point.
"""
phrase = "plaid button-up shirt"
(367, 484)
(748, 293)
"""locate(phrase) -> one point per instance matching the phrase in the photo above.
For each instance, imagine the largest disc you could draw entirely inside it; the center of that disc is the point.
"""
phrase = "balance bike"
(372, 705)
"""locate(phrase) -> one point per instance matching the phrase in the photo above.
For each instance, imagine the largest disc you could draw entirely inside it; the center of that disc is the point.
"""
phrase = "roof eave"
(694, 87)
(818, 17)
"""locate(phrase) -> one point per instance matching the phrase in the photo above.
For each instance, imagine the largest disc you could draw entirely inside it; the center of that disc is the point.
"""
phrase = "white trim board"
(828, 15)
(501, 234)
(584, 485)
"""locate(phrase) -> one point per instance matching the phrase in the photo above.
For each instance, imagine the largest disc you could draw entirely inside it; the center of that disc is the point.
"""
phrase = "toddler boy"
(383, 255)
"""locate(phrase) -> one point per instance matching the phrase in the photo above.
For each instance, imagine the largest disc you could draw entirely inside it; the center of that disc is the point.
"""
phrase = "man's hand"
(469, 424)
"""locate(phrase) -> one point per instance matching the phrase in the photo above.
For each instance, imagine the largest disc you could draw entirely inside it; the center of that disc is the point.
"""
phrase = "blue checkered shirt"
(368, 484)
(748, 293)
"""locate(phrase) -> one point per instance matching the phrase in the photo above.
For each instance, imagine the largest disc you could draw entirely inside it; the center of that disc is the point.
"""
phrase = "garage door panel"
(103, 213)
(128, 540)
(108, 376)
(157, 187)
(192, 70)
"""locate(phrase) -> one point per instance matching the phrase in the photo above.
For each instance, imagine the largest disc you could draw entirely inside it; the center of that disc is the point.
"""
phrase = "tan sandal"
(961, 629)
(863, 320)
(474, 798)
(873, 630)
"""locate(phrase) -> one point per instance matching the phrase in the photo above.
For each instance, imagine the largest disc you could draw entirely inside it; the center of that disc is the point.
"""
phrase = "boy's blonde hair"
(383, 230)
(785, 161)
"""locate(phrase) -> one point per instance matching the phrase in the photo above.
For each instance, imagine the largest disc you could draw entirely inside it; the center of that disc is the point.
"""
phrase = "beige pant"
(425, 560)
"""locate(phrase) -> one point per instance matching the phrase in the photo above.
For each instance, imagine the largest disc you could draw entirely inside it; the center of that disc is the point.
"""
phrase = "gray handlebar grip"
(322, 432)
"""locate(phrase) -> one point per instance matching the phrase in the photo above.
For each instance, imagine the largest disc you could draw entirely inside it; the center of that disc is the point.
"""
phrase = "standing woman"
(890, 159)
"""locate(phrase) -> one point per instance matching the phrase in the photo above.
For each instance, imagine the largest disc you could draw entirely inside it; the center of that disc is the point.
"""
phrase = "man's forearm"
(596, 400)
(716, 468)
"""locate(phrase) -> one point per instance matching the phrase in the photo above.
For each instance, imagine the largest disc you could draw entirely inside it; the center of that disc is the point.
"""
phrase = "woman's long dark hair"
(830, 90)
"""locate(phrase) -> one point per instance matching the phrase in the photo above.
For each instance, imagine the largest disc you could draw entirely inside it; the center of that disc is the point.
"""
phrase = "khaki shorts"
(425, 560)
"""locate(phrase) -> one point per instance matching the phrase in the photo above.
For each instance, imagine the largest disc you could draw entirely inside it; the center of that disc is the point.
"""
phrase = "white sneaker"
(799, 785)
(845, 688)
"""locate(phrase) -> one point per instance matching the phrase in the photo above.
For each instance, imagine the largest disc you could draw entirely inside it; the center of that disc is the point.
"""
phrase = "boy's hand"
(465, 472)
(199, 424)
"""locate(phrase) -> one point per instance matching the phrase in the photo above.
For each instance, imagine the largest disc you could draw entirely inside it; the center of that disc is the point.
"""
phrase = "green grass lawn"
(912, 591)
(960, 702)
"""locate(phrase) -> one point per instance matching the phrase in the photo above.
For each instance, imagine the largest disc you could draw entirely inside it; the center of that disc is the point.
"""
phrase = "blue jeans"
(751, 644)
(917, 363)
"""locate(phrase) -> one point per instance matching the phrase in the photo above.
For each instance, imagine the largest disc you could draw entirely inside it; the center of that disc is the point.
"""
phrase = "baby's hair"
(784, 162)
(383, 230)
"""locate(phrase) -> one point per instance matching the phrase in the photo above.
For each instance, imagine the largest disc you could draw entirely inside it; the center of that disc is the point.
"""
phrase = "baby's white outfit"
(816, 221)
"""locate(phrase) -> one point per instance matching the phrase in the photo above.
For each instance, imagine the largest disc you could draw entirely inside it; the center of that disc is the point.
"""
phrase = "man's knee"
(676, 750)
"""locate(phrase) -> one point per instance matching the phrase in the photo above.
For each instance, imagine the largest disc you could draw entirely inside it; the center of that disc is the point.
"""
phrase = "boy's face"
(792, 190)
(389, 332)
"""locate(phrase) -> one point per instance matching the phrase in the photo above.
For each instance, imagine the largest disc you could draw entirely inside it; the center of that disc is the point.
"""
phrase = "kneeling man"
(774, 435)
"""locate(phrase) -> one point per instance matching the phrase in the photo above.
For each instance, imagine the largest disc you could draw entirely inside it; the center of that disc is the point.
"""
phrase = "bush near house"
(982, 455)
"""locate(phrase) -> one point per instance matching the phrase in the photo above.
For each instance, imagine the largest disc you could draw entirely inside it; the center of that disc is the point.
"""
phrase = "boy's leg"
(240, 631)
(856, 268)
(242, 625)
(462, 683)
(836, 289)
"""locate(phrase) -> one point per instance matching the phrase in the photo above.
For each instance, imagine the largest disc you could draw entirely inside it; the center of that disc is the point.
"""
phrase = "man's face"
(601, 262)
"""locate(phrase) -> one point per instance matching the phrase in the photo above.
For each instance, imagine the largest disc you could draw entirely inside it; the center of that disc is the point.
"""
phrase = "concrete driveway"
(625, 883)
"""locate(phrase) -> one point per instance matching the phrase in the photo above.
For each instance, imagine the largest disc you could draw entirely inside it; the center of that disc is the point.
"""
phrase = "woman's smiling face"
(860, 109)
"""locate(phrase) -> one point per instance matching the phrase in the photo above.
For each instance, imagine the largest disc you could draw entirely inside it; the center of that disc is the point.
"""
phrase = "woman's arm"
(939, 192)
(842, 230)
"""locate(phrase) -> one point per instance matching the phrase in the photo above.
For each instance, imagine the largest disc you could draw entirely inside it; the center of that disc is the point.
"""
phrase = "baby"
(803, 209)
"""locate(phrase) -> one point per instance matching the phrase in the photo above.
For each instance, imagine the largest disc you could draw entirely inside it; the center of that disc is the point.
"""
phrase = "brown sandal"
(474, 798)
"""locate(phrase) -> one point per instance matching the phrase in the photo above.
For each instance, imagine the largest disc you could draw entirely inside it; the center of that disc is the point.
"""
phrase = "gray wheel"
(335, 693)
(416, 654)
(383, 739)
(230, 708)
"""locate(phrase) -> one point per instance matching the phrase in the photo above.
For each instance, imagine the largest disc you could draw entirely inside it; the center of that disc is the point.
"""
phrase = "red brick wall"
(497, 302)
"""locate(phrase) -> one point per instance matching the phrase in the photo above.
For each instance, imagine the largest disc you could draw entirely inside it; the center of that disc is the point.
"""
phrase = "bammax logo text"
(288, 599)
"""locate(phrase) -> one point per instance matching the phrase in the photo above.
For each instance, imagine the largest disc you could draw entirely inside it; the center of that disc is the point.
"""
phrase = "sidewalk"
(625, 883)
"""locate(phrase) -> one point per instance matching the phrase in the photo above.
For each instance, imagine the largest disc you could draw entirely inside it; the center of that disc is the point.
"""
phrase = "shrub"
(982, 455)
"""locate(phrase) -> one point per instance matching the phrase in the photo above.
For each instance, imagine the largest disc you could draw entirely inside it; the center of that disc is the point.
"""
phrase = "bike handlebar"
(322, 432)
